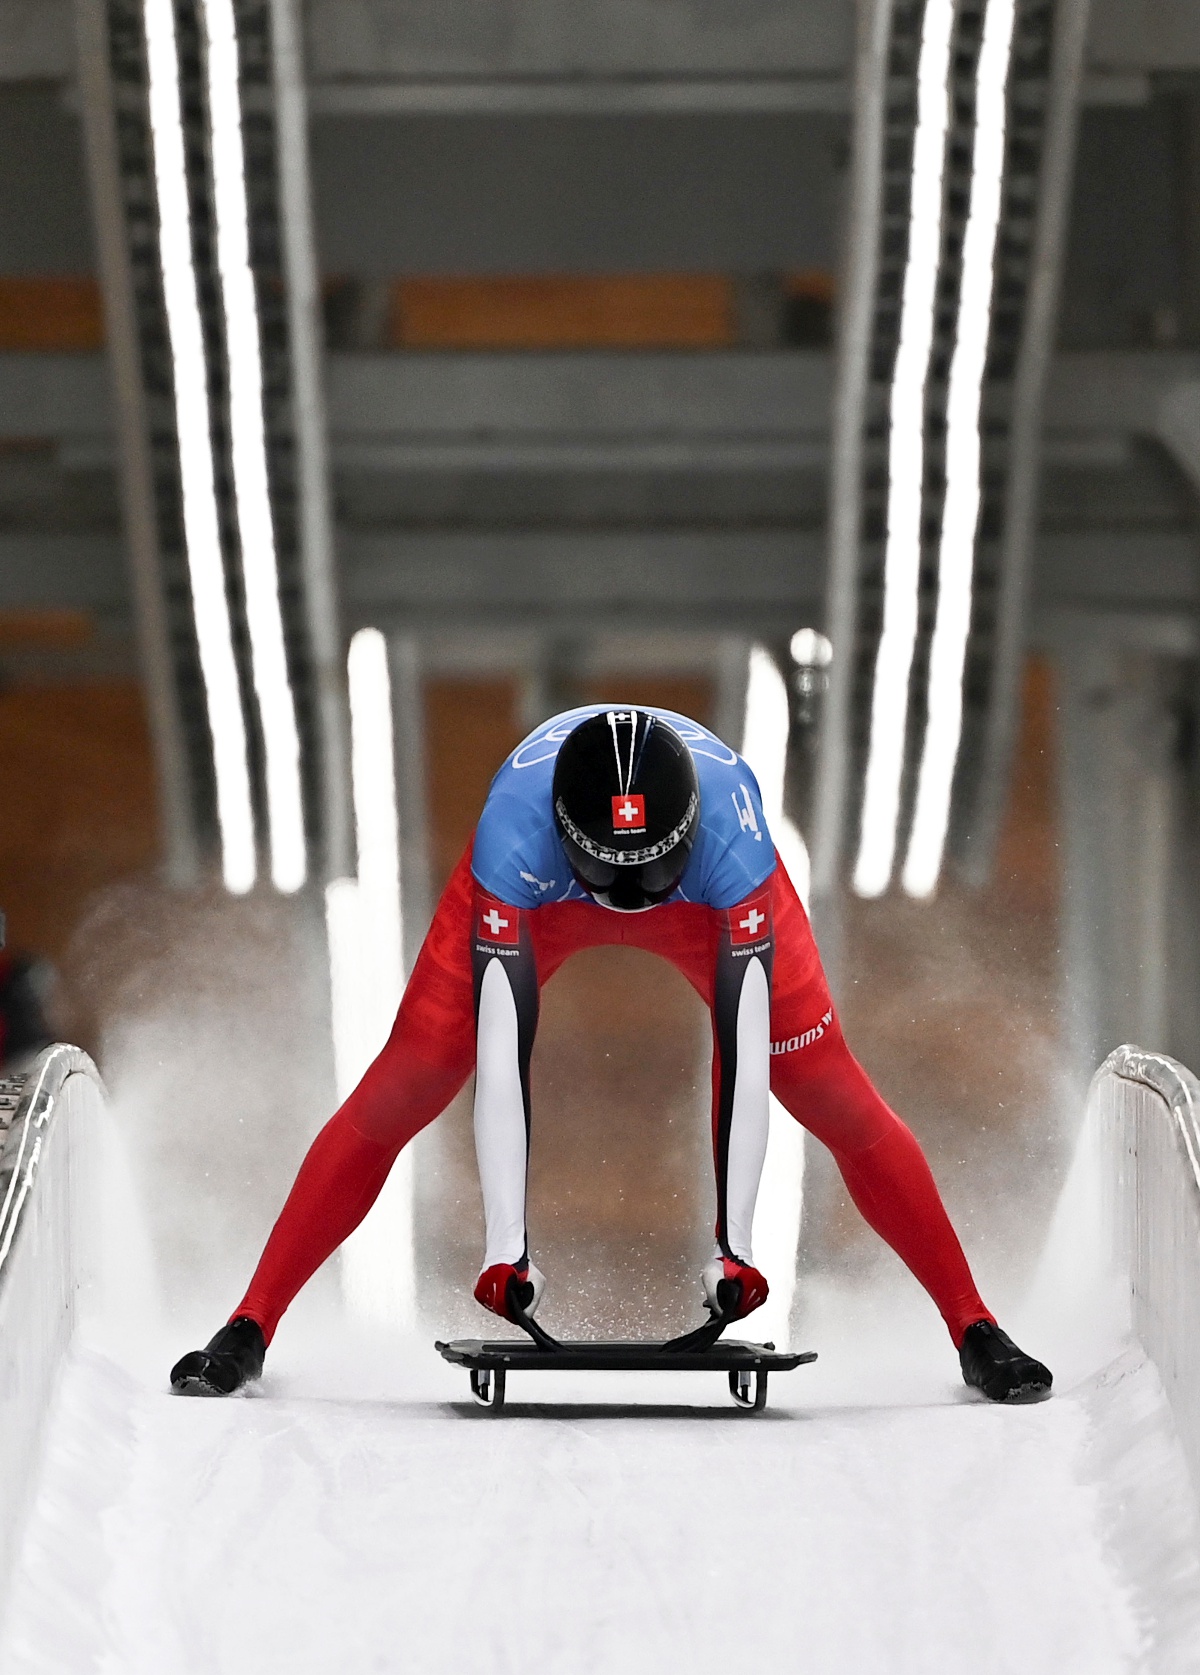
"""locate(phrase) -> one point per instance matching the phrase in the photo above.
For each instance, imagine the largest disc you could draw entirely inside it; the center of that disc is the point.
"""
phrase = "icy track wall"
(45, 1223)
(1142, 1139)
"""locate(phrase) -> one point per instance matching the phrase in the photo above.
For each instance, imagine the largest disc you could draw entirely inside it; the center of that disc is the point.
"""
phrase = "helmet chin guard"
(627, 807)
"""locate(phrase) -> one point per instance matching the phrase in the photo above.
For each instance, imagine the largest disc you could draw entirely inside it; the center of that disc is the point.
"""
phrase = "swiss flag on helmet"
(750, 921)
(629, 812)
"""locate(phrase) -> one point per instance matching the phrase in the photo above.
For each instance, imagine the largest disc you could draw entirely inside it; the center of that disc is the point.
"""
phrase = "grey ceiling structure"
(615, 455)
(484, 507)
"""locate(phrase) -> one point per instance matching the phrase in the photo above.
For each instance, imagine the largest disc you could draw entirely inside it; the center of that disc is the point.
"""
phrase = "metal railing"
(43, 1259)
(1144, 1111)
(36, 1094)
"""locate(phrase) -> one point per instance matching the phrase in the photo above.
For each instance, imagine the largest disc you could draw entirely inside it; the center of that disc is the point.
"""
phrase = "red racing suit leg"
(428, 1057)
(817, 1078)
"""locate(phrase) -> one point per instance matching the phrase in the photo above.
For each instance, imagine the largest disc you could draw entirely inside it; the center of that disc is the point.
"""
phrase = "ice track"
(356, 1512)
(357, 1515)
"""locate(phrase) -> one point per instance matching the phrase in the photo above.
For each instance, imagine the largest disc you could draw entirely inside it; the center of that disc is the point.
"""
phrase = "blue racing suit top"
(518, 856)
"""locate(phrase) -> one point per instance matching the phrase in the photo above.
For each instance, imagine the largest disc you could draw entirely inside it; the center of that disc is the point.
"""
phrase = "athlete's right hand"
(502, 1286)
(733, 1289)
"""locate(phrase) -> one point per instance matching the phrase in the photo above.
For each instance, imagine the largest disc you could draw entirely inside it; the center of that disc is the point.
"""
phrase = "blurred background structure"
(577, 351)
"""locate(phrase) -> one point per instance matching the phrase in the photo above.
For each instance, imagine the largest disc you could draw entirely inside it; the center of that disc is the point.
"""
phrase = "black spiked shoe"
(231, 1359)
(991, 1362)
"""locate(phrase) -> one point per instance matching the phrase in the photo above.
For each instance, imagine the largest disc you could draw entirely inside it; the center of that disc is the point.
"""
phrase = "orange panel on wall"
(572, 311)
(78, 806)
(1027, 858)
(814, 283)
(50, 314)
(63, 630)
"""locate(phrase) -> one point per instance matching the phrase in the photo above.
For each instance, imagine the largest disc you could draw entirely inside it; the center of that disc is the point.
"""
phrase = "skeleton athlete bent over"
(637, 827)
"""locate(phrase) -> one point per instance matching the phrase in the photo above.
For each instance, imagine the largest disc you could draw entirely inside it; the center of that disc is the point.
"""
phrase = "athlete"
(636, 827)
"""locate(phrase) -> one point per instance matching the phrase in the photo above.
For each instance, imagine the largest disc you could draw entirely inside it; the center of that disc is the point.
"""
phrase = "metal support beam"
(640, 95)
(315, 518)
(570, 578)
(631, 95)
(732, 679)
(176, 811)
(567, 410)
(860, 269)
(1117, 783)
(1179, 428)
(1064, 95)
(740, 581)
(412, 803)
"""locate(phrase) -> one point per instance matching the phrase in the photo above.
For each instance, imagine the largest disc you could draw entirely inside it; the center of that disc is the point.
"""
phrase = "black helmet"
(627, 807)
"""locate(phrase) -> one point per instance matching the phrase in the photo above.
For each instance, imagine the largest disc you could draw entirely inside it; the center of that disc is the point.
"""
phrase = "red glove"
(734, 1289)
(502, 1285)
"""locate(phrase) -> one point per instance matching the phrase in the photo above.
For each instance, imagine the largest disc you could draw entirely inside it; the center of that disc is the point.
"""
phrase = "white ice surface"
(356, 1514)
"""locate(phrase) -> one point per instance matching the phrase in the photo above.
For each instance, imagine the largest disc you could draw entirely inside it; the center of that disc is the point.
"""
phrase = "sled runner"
(746, 1365)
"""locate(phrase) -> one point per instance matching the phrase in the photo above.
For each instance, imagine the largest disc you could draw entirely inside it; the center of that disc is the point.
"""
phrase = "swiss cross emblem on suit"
(751, 921)
(497, 922)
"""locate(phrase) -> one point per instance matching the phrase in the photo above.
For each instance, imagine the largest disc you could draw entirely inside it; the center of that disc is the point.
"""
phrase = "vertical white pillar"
(366, 940)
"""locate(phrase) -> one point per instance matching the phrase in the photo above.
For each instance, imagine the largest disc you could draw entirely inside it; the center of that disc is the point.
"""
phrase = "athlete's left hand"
(734, 1289)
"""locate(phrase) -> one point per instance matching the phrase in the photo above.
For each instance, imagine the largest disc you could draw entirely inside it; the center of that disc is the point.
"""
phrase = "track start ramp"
(358, 1512)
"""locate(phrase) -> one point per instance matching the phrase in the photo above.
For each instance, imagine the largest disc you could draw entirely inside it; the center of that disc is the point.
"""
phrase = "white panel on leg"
(748, 1123)
(777, 1224)
(501, 1143)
